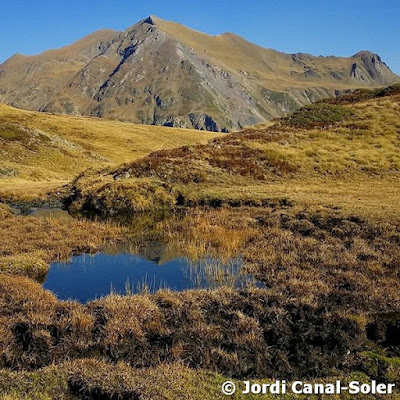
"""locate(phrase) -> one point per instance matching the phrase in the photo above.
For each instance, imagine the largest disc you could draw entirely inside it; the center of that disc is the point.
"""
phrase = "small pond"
(87, 277)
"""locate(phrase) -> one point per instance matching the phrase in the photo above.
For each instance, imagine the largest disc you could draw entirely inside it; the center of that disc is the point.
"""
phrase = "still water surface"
(125, 269)
(87, 277)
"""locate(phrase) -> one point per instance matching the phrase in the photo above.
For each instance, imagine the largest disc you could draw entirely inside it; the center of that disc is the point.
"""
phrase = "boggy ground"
(28, 244)
(330, 308)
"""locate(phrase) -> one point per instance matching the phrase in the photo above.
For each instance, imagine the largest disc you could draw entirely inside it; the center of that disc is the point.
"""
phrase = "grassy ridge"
(42, 150)
(318, 149)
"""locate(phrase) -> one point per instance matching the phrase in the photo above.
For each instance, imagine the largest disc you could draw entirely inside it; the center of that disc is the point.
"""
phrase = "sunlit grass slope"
(343, 153)
(39, 150)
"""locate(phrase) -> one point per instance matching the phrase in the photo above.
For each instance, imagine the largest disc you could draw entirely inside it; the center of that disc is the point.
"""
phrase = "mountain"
(160, 72)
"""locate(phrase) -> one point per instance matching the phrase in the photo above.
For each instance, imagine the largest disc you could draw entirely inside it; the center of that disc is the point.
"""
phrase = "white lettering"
(295, 385)
(381, 388)
(365, 388)
(354, 387)
(329, 389)
(275, 388)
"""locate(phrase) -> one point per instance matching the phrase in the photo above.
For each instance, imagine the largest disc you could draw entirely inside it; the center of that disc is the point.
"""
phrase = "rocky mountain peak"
(151, 20)
(368, 66)
(163, 73)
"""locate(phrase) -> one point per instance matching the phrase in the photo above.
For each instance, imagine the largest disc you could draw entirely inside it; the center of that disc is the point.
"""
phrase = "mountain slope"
(39, 150)
(160, 72)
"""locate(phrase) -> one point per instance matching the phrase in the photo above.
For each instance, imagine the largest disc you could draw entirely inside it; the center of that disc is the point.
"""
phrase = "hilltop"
(163, 73)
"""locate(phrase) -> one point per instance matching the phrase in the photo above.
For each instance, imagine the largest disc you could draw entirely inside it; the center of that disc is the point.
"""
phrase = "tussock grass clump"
(239, 333)
(22, 298)
(37, 329)
(126, 196)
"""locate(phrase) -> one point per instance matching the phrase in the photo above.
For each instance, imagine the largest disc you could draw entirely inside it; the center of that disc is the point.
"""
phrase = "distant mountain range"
(160, 72)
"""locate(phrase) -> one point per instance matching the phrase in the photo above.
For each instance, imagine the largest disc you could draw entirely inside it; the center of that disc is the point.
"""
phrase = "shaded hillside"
(160, 72)
(324, 141)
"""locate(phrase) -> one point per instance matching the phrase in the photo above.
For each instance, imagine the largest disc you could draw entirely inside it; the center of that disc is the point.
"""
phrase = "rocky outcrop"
(370, 68)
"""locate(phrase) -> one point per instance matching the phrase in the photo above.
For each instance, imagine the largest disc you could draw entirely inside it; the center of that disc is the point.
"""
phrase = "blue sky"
(319, 27)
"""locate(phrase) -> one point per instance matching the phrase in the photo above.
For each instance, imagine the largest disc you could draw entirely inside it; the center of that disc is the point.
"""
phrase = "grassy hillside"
(344, 155)
(40, 151)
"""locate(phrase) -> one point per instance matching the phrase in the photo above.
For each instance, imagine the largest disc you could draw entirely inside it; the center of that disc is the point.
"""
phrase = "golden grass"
(28, 190)
(368, 197)
(350, 160)
(42, 150)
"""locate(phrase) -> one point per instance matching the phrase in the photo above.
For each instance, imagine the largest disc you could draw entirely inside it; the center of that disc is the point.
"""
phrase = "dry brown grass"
(240, 333)
(210, 233)
(316, 256)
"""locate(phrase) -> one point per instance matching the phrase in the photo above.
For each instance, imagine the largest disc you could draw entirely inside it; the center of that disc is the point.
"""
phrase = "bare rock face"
(370, 68)
(160, 72)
